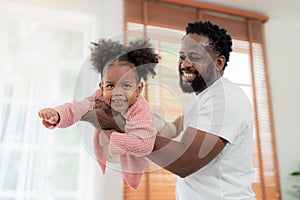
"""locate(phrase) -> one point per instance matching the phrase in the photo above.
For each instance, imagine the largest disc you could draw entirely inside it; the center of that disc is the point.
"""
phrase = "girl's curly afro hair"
(139, 52)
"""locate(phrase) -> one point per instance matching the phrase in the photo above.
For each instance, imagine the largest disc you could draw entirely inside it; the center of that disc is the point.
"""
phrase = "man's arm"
(168, 129)
(194, 151)
(178, 122)
(103, 116)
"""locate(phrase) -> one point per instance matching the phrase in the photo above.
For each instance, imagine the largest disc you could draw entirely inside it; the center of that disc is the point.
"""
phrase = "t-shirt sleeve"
(219, 116)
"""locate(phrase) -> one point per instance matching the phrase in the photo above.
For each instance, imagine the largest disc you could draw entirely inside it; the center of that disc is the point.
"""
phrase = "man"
(214, 157)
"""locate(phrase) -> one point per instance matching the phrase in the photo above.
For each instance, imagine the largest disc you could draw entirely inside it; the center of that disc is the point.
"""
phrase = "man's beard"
(198, 84)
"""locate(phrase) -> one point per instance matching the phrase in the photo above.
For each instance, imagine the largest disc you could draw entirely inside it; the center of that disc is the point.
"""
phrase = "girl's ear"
(140, 88)
(101, 86)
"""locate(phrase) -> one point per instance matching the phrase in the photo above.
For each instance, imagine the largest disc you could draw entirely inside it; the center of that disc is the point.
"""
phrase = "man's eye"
(196, 58)
(182, 57)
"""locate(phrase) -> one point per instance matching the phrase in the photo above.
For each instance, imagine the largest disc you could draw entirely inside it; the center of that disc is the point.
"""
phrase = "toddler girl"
(121, 68)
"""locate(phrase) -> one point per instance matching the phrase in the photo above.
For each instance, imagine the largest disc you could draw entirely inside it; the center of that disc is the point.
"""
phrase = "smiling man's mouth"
(188, 76)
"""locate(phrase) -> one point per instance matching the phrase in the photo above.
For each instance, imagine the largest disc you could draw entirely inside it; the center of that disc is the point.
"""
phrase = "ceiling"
(282, 9)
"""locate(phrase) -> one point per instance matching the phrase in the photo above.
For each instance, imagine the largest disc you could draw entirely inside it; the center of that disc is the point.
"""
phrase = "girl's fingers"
(52, 120)
(40, 113)
(47, 114)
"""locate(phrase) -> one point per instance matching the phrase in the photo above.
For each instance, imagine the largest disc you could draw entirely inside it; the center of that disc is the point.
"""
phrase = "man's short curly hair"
(220, 41)
(138, 52)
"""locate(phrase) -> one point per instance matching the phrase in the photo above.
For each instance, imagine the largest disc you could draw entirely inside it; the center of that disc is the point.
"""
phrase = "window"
(247, 68)
(39, 47)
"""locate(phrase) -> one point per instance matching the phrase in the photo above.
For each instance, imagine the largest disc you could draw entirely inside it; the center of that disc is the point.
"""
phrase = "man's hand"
(107, 133)
(103, 117)
(104, 137)
(106, 121)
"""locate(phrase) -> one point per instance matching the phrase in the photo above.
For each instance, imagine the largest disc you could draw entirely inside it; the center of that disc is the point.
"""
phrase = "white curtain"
(41, 54)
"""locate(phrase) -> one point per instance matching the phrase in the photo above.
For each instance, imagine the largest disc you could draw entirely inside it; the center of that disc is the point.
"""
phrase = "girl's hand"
(49, 115)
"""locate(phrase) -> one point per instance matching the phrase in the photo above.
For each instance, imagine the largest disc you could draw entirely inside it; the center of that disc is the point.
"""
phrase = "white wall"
(283, 55)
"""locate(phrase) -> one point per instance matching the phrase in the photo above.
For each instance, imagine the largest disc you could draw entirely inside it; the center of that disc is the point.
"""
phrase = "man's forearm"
(195, 150)
(172, 155)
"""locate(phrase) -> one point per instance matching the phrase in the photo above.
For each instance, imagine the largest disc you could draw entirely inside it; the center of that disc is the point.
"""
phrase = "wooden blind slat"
(269, 169)
(235, 27)
(133, 11)
(159, 17)
(220, 9)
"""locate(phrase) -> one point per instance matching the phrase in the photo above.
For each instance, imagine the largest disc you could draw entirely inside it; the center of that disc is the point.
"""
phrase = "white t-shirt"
(224, 110)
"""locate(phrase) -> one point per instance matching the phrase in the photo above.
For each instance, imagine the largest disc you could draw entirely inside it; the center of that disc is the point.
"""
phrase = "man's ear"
(101, 86)
(220, 62)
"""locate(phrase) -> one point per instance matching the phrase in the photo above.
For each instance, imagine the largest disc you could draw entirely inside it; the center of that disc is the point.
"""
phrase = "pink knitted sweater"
(132, 146)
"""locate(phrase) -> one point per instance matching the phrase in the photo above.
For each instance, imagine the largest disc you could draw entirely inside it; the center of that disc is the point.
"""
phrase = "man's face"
(196, 65)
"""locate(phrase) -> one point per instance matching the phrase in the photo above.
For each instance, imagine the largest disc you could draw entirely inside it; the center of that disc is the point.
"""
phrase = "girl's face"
(120, 85)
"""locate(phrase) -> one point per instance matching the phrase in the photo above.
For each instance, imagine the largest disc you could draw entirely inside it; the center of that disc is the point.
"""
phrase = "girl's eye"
(126, 86)
(109, 86)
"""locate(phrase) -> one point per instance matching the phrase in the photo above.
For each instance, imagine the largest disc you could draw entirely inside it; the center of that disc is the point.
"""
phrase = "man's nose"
(186, 63)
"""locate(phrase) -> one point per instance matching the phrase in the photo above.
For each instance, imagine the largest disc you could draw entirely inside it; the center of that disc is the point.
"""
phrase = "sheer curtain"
(41, 54)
